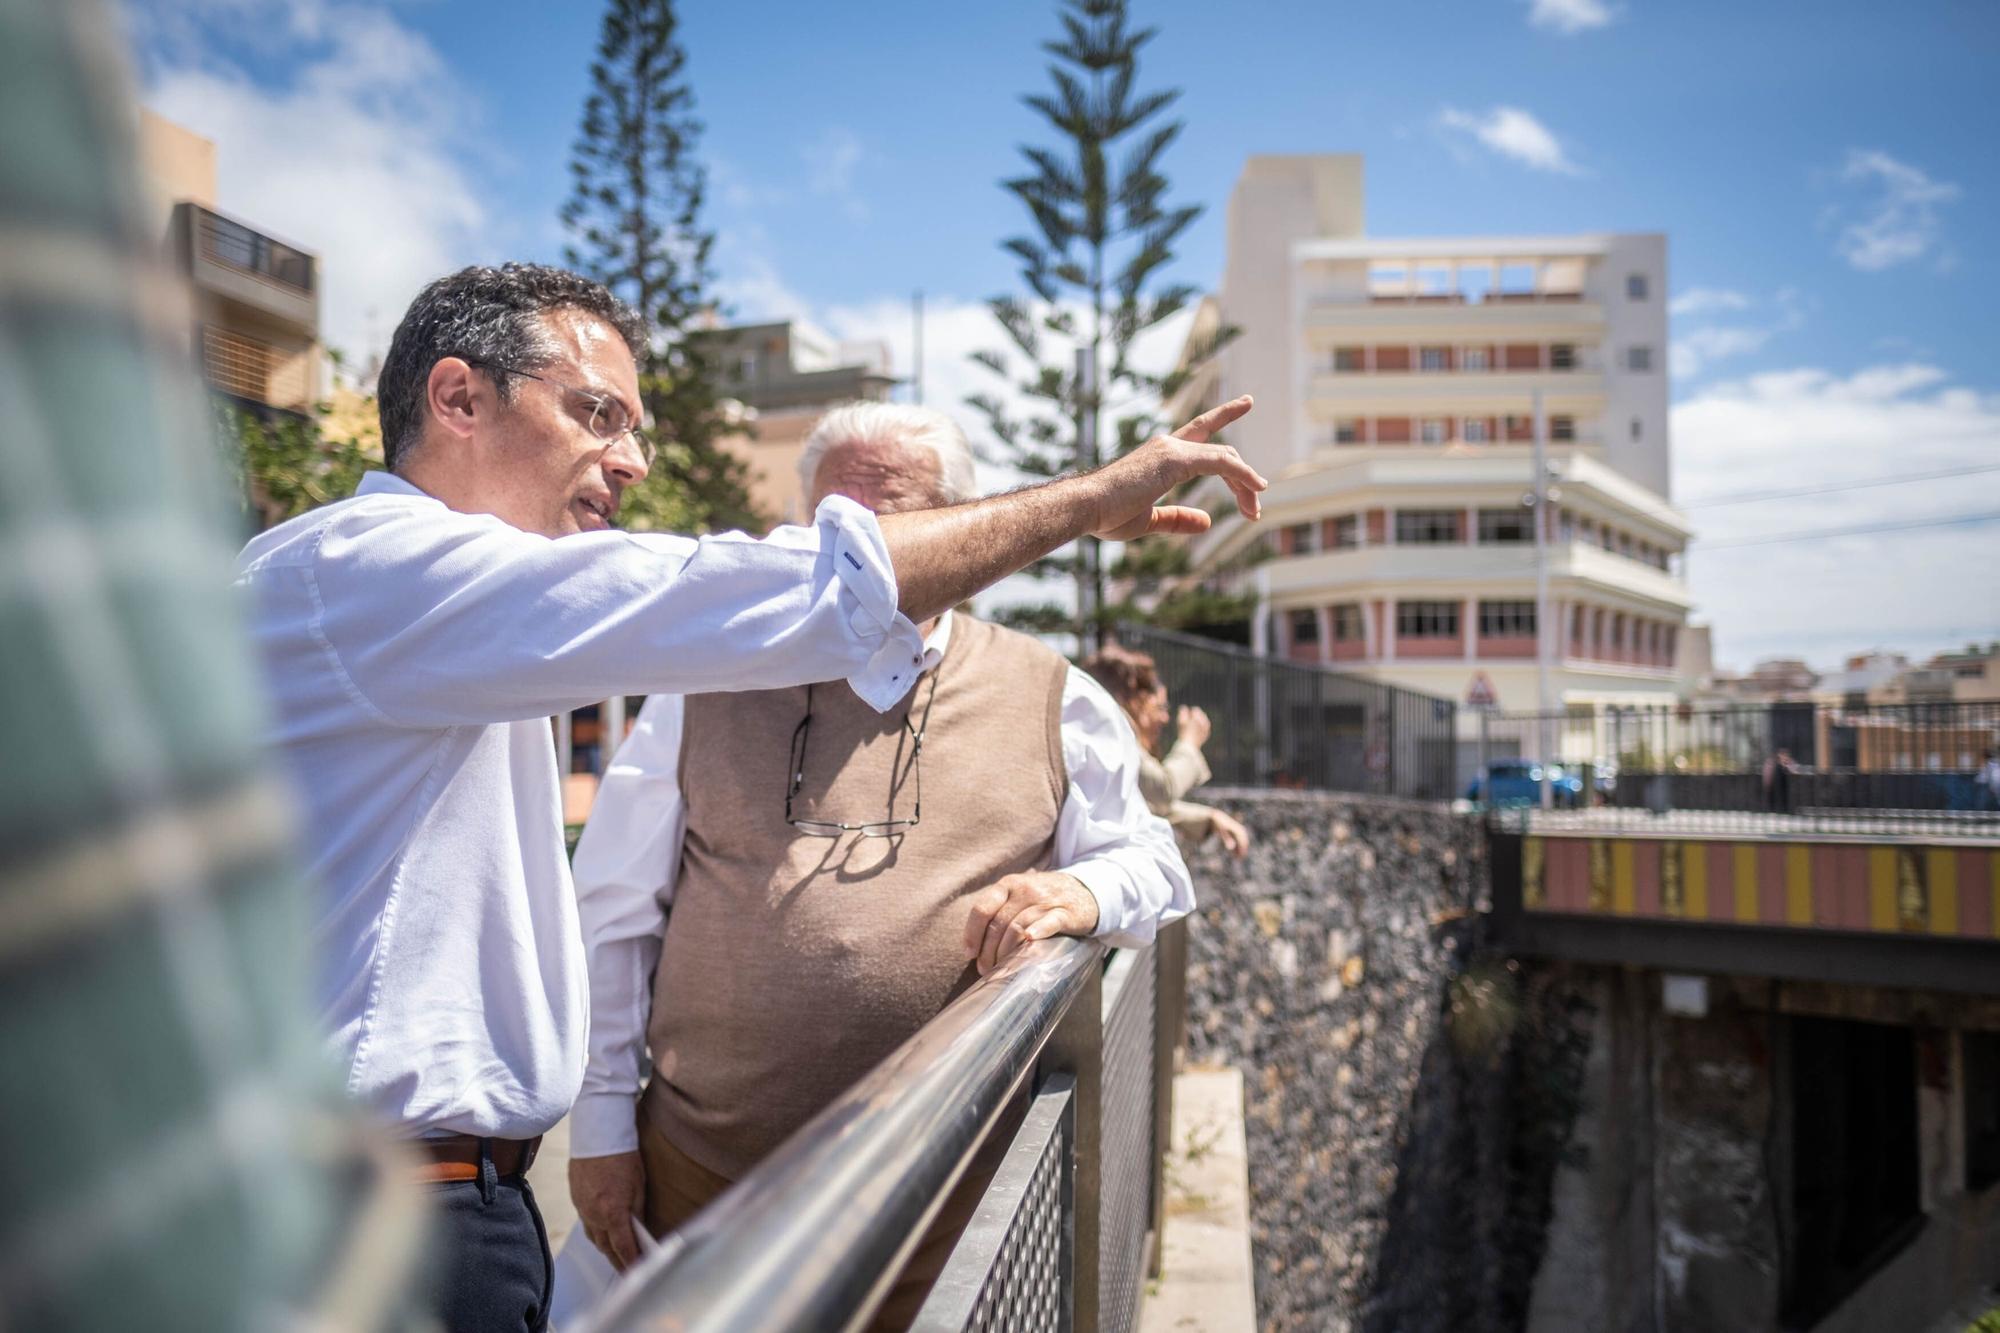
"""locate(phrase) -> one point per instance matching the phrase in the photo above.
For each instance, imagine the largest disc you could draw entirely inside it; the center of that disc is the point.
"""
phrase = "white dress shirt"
(413, 656)
(630, 857)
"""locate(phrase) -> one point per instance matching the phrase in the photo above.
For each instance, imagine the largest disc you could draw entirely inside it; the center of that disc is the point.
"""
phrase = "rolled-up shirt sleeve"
(435, 618)
(627, 863)
(1105, 836)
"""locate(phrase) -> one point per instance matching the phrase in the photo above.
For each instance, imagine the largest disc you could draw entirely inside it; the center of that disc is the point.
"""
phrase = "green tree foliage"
(1092, 264)
(634, 212)
(283, 465)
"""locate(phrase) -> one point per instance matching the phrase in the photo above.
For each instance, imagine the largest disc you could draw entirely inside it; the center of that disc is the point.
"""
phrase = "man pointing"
(417, 636)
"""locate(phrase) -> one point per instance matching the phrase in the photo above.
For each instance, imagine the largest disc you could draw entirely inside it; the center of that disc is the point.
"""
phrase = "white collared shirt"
(414, 655)
(630, 855)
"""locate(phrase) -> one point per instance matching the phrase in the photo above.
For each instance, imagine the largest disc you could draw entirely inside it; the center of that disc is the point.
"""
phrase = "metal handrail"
(814, 1236)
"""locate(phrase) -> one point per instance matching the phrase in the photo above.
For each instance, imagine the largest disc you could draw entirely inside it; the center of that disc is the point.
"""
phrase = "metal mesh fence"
(1288, 724)
(1019, 1249)
(1125, 1181)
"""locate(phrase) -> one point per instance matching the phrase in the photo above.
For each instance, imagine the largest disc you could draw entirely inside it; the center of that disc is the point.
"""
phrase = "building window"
(1299, 539)
(1347, 532)
(1434, 430)
(1434, 358)
(1305, 627)
(1476, 431)
(1427, 527)
(1635, 287)
(1347, 360)
(1347, 430)
(1427, 620)
(1562, 428)
(1347, 626)
(1562, 356)
(1474, 358)
(1520, 428)
(1637, 430)
(1980, 1053)
(1639, 358)
(746, 368)
(1507, 620)
(1498, 527)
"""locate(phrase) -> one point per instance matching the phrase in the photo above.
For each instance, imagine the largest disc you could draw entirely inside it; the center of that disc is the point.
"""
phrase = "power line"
(1859, 531)
(1746, 497)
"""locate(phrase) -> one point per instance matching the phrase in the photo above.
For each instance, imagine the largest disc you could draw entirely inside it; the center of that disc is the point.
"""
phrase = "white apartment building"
(1396, 383)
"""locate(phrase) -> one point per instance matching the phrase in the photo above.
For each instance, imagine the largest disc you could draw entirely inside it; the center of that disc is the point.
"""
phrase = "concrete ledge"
(1205, 1283)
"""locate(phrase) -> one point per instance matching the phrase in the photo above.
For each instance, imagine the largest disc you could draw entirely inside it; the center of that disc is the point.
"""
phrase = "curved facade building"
(1400, 387)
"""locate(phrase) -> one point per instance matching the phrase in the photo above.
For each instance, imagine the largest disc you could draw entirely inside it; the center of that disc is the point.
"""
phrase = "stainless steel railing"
(815, 1236)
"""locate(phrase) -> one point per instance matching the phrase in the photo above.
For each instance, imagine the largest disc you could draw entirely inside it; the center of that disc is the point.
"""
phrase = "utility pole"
(1089, 588)
(1543, 630)
(917, 343)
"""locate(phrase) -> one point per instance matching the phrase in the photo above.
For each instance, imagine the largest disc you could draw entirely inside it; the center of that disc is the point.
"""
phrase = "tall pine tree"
(1102, 234)
(635, 213)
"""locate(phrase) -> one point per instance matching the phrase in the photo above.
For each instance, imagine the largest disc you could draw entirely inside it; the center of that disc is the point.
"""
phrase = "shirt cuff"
(603, 1123)
(1110, 884)
(868, 598)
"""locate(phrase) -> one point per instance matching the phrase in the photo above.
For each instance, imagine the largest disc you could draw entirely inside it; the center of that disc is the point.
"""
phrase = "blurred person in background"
(1134, 681)
(178, 1153)
(772, 951)
(417, 637)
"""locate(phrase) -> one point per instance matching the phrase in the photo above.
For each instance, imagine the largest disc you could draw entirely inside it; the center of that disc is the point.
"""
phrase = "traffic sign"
(1481, 694)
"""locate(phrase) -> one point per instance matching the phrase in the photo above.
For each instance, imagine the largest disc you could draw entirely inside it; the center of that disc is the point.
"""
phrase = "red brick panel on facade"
(1378, 529)
(1393, 430)
(1392, 358)
(1523, 356)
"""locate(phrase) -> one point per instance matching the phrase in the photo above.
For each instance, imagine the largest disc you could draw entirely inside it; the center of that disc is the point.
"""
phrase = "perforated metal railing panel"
(1012, 1269)
(1126, 1135)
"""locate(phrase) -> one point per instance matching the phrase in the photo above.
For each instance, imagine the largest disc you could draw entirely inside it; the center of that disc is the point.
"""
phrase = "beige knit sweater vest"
(793, 964)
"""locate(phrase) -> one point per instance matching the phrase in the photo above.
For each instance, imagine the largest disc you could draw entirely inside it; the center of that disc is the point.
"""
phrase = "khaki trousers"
(678, 1187)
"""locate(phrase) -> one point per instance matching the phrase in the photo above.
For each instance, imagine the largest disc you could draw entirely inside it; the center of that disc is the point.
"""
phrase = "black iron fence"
(1823, 765)
(1288, 724)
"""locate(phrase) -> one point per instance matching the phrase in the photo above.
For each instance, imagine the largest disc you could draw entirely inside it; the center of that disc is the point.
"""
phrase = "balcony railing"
(1067, 1231)
(232, 243)
(1768, 769)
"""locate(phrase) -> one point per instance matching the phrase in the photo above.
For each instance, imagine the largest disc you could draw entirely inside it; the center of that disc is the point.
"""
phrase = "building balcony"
(1460, 392)
(1460, 568)
(1442, 319)
(245, 276)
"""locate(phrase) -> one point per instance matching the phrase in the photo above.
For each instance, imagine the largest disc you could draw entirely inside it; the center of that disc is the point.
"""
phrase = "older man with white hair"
(824, 904)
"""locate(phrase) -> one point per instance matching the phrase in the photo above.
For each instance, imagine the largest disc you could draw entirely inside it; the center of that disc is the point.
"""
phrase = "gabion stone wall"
(1406, 1098)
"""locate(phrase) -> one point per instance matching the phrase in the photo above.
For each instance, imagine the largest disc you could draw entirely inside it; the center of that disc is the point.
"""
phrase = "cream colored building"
(255, 330)
(788, 373)
(1396, 383)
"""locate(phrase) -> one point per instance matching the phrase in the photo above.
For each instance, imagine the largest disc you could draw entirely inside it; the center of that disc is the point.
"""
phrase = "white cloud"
(831, 160)
(356, 151)
(1512, 133)
(1569, 16)
(1898, 220)
(1706, 301)
(1696, 349)
(1920, 590)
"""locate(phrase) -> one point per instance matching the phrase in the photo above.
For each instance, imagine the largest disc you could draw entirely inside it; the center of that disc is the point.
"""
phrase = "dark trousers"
(493, 1270)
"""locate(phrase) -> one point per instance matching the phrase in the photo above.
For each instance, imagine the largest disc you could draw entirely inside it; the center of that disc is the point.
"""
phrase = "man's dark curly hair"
(491, 317)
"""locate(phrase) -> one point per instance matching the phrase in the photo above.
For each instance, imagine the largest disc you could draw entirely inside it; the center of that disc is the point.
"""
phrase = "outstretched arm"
(944, 556)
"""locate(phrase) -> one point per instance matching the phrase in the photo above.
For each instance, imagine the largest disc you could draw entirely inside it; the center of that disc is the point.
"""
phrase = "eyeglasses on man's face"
(609, 421)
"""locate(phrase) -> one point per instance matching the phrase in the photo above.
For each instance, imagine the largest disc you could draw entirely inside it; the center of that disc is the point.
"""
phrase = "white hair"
(894, 424)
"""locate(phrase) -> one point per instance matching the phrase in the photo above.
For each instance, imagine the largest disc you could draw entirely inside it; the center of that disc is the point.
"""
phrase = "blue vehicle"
(1518, 782)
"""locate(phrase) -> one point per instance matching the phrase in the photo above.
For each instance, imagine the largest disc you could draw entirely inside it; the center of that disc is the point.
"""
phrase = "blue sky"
(1823, 170)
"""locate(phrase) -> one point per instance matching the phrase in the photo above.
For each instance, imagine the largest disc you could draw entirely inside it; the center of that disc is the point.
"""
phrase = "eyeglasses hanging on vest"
(886, 827)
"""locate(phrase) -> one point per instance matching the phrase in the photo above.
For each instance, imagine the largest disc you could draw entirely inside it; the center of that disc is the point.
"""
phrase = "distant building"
(255, 332)
(1974, 673)
(1395, 382)
(788, 373)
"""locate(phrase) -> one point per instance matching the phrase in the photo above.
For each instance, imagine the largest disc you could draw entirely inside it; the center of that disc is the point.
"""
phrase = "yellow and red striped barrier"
(1884, 887)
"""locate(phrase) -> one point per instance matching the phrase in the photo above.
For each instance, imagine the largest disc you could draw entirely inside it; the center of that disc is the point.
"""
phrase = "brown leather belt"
(456, 1157)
